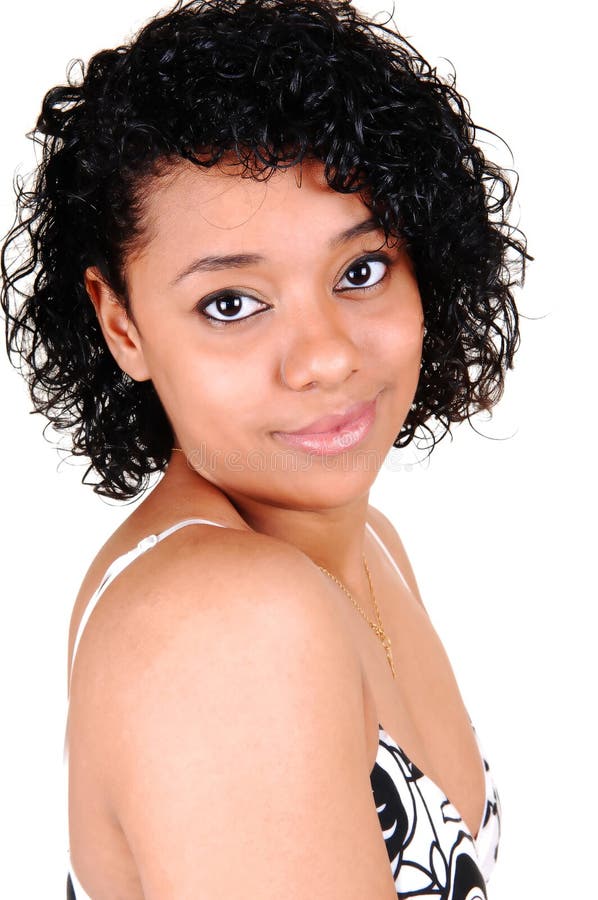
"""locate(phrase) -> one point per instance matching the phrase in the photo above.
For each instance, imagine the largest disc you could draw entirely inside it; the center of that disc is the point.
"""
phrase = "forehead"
(225, 206)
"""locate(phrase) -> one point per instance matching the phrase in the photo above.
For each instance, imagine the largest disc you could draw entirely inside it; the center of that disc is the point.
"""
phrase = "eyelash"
(231, 294)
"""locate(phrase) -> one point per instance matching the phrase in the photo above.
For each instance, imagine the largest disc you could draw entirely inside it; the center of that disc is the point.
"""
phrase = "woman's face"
(260, 307)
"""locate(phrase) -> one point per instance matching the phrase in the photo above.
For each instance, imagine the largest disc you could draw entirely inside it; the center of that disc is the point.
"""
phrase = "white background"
(500, 531)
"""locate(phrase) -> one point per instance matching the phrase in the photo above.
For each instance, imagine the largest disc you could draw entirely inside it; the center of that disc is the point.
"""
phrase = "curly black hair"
(272, 81)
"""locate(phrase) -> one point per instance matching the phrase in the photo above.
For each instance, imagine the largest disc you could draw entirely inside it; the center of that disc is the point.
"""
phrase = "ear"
(121, 334)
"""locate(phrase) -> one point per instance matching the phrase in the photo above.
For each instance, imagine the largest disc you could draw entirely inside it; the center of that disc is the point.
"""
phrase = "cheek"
(200, 387)
(210, 392)
(402, 324)
(401, 344)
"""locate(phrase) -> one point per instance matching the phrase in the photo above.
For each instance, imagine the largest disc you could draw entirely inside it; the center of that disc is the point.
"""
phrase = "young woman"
(263, 248)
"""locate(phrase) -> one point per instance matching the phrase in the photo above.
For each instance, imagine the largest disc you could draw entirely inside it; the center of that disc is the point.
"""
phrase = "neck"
(333, 537)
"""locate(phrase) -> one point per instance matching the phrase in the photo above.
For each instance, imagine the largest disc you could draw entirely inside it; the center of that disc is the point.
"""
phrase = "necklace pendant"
(387, 646)
(376, 627)
(390, 662)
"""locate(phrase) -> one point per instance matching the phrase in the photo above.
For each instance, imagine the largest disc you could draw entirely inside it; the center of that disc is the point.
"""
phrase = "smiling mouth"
(334, 421)
(333, 434)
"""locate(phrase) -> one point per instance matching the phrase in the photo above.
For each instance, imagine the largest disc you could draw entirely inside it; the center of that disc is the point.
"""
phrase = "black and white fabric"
(432, 853)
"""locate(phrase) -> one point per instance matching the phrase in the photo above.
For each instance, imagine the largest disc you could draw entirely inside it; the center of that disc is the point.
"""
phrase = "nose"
(321, 351)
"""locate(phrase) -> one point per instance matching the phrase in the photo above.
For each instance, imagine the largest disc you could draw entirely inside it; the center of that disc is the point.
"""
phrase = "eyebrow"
(242, 260)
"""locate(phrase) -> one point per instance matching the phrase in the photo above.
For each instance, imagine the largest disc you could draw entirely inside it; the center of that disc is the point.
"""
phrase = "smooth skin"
(226, 695)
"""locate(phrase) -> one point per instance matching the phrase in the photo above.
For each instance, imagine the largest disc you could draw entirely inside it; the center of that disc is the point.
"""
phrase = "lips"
(343, 431)
(335, 421)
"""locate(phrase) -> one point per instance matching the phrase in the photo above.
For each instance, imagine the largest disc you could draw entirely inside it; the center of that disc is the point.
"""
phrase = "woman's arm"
(235, 741)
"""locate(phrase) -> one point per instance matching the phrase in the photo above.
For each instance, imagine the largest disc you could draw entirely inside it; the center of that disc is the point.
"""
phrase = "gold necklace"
(376, 627)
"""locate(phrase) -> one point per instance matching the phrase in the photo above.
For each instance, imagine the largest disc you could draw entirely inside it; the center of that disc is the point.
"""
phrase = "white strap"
(120, 563)
(404, 580)
(116, 567)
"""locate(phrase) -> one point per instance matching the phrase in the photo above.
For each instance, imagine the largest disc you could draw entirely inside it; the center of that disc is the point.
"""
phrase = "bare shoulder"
(390, 537)
(207, 599)
(238, 731)
(195, 576)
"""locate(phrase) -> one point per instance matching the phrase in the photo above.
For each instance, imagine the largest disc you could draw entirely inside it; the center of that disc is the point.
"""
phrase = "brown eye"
(364, 273)
(226, 307)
